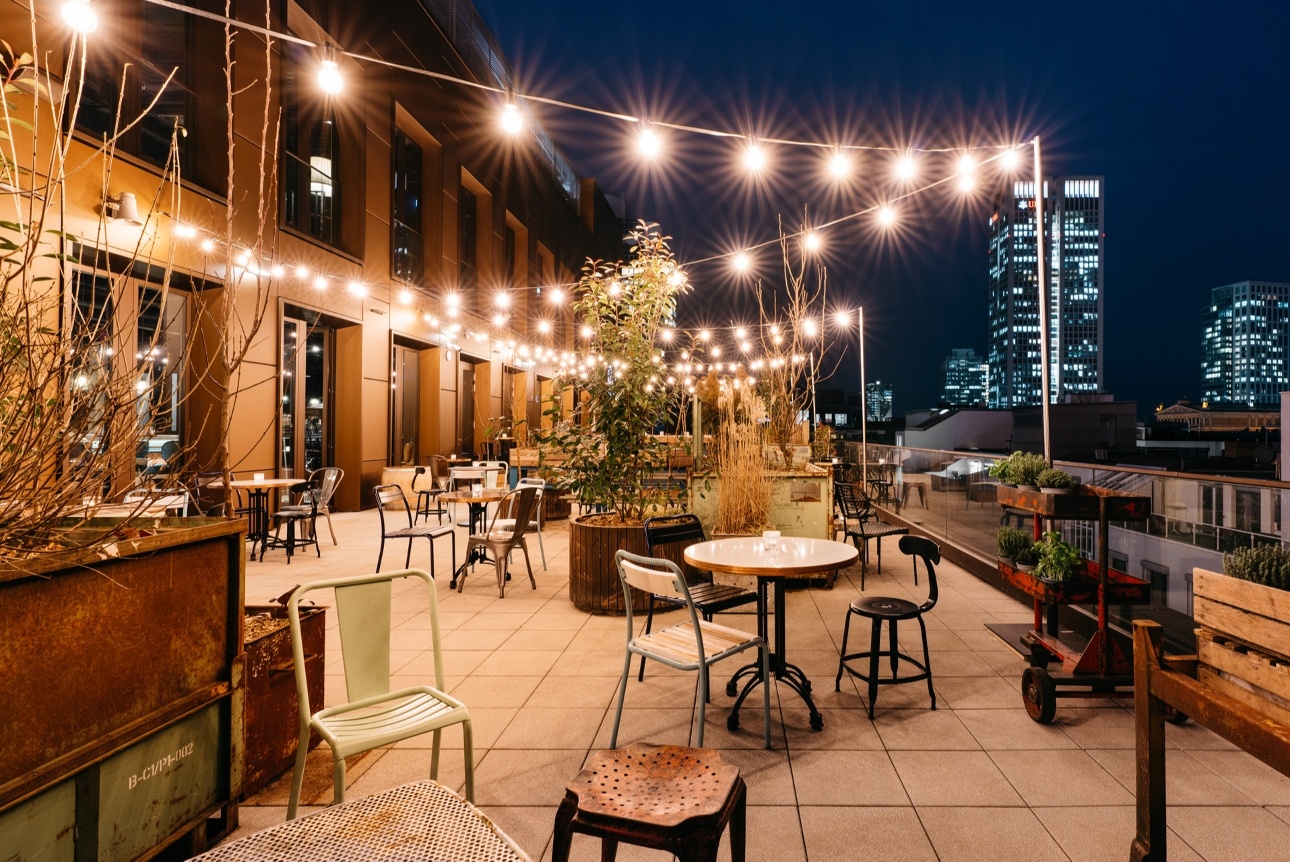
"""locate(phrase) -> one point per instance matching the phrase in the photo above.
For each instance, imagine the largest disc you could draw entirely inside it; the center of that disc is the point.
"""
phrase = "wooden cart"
(1099, 667)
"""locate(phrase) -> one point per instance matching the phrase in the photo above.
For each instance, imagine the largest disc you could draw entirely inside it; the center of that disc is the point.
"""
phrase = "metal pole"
(864, 407)
(1041, 275)
(814, 417)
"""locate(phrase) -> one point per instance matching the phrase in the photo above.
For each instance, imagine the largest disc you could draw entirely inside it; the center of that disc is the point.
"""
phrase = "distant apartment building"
(878, 401)
(1245, 342)
(965, 378)
(1073, 222)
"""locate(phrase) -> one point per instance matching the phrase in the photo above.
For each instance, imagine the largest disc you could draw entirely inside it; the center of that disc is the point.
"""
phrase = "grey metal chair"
(518, 506)
(509, 523)
(322, 482)
(392, 496)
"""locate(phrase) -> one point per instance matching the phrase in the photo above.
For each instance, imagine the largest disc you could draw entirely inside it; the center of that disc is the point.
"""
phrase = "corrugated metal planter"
(593, 575)
(122, 681)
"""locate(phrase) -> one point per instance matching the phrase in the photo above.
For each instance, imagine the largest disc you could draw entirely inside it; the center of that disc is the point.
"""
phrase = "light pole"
(1043, 302)
(864, 405)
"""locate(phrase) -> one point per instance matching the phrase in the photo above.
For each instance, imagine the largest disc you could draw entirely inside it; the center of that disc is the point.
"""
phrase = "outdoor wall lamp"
(123, 208)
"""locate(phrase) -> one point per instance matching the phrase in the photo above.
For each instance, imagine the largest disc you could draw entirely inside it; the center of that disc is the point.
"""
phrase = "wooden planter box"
(1244, 673)
(801, 502)
(1084, 503)
(272, 726)
(121, 674)
(593, 575)
(1081, 587)
(1243, 611)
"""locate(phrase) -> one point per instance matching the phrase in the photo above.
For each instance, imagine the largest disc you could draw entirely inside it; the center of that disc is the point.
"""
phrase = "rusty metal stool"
(665, 797)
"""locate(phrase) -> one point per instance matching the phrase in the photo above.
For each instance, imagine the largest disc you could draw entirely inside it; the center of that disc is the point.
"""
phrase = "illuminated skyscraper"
(966, 378)
(1246, 341)
(1073, 211)
(878, 401)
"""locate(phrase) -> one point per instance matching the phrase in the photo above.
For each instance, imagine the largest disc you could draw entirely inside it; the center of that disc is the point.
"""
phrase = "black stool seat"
(878, 609)
(885, 607)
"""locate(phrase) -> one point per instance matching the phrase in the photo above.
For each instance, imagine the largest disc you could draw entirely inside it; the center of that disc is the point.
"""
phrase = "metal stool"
(879, 608)
(664, 797)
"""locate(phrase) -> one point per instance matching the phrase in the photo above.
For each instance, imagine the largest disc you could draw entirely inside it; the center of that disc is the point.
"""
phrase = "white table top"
(748, 556)
(257, 483)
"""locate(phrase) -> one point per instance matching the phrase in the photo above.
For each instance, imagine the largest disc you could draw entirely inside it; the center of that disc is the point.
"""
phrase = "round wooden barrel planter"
(593, 576)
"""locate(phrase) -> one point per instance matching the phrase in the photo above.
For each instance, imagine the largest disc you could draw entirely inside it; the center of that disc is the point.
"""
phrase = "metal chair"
(374, 715)
(296, 518)
(322, 483)
(389, 495)
(509, 523)
(428, 498)
(876, 609)
(860, 523)
(667, 537)
(691, 645)
(518, 505)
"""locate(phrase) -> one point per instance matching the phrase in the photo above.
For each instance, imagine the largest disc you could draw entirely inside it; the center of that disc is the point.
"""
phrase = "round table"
(795, 558)
(257, 528)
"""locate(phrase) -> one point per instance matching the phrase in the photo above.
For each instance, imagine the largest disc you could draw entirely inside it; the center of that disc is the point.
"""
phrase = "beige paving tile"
(538, 639)
(846, 778)
(1060, 778)
(529, 826)
(515, 663)
(963, 778)
(538, 727)
(976, 693)
(844, 729)
(477, 690)
(768, 775)
(890, 834)
(1222, 834)
(1097, 728)
(923, 730)
(1187, 780)
(1256, 779)
(1098, 833)
(475, 639)
(526, 776)
(1000, 835)
(1003, 729)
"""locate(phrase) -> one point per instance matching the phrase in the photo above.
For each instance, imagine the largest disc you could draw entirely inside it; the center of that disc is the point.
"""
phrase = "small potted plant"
(1025, 468)
(1057, 560)
(1054, 481)
(1012, 542)
(1027, 558)
(1002, 470)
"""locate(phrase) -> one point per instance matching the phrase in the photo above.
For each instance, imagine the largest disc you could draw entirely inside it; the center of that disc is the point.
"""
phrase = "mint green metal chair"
(374, 715)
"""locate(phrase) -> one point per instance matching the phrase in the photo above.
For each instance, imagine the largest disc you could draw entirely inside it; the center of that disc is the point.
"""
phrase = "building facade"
(391, 257)
(1246, 344)
(878, 397)
(965, 379)
(1074, 240)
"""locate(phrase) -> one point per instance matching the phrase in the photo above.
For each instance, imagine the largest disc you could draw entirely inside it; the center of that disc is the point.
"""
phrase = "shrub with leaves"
(1057, 560)
(1263, 564)
(1013, 541)
(1054, 478)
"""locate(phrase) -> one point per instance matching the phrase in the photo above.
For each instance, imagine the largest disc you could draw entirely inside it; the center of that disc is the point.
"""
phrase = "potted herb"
(1054, 481)
(1057, 560)
(1013, 541)
(1027, 558)
(1025, 467)
(1002, 470)
(609, 448)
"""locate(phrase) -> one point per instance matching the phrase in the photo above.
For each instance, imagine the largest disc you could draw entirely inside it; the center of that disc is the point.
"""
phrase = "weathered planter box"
(122, 682)
(1243, 611)
(801, 502)
(1081, 588)
(272, 709)
(1084, 503)
(1244, 673)
(593, 575)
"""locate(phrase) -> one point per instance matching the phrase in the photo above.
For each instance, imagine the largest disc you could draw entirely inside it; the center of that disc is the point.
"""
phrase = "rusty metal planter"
(272, 713)
(122, 680)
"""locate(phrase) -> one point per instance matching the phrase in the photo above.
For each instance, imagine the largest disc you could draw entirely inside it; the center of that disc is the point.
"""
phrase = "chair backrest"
(538, 485)
(519, 505)
(930, 552)
(499, 469)
(439, 470)
(852, 501)
(169, 449)
(306, 493)
(325, 481)
(388, 495)
(667, 537)
(210, 501)
(417, 473)
(362, 609)
(654, 576)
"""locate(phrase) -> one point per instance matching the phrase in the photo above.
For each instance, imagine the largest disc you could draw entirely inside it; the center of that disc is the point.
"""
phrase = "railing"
(1195, 518)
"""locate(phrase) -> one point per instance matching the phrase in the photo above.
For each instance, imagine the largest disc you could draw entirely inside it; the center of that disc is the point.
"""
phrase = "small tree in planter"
(609, 445)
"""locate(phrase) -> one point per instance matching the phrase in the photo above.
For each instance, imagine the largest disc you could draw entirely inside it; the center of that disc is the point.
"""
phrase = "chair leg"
(927, 661)
(407, 564)
(313, 531)
(524, 546)
(541, 547)
(703, 701)
(468, 744)
(893, 640)
(649, 623)
(330, 528)
(435, 741)
(765, 693)
(503, 563)
(298, 773)
(875, 645)
(563, 833)
(338, 778)
(842, 656)
(380, 555)
(622, 693)
(739, 824)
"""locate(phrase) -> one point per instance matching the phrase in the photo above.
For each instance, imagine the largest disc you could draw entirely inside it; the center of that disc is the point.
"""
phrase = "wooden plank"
(1268, 672)
(1263, 632)
(1236, 691)
(1246, 595)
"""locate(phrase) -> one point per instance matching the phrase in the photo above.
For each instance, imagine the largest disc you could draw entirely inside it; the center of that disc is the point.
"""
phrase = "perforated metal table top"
(423, 821)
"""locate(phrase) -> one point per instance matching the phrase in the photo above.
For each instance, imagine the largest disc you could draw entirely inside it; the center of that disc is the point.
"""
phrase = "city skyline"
(1132, 95)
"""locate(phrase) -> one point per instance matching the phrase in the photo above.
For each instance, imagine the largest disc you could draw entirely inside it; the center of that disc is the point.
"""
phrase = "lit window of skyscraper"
(966, 378)
(1245, 343)
(1073, 218)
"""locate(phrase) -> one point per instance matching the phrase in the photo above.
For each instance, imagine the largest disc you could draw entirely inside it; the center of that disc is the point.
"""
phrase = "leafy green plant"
(1002, 470)
(1057, 560)
(822, 445)
(1268, 565)
(1027, 556)
(609, 443)
(1054, 478)
(1012, 542)
(1026, 467)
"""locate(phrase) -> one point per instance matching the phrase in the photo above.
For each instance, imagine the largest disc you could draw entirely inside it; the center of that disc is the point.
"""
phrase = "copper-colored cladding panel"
(97, 655)
(272, 718)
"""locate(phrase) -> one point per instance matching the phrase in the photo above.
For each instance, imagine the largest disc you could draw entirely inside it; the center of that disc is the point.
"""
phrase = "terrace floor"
(975, 779)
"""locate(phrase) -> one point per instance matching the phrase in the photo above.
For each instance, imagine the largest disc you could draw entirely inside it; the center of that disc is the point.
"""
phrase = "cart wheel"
(732, 721)
(1175, 716)
(1039, 693)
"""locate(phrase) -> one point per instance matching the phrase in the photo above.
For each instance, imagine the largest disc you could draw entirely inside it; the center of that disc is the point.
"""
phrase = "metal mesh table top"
(423, 821)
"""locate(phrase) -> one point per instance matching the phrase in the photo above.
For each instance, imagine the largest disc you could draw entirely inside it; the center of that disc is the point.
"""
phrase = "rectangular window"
(409, 240)
(468, 217)
(311, 146)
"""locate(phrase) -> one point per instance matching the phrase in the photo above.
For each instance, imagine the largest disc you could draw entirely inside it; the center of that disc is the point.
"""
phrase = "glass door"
(305, 443)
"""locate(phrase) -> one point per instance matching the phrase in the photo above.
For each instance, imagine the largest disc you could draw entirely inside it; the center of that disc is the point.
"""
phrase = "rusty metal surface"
(93, 658)
(1082, 503)
(271, 718)
(664, 785)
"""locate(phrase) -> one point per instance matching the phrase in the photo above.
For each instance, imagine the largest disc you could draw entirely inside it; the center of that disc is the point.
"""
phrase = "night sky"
(1183, 107)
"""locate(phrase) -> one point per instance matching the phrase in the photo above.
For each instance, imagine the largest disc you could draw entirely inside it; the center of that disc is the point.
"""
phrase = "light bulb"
(1010, 160)
(886, 216)
(544, 327)
(966, 183)
(512, 122)
(320, 283)
(185, 231)
(586, 332)
(502, 299)
(666, 334)
(78, 15)
(330, 81)
(905, 167)
(208, 246)
(557, 296)
(405, 297)
(842, 319)
(840, 166)
(741, 262)
(499, 319)
(808, 326)
(704, 335)
(754, 158)
(811, 241)
(357, 288)
(648, 143)
(741, 333)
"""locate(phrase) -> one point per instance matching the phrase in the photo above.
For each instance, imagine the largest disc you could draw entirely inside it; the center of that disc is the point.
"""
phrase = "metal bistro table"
(794, 558)
(257, 527)
(478, 504)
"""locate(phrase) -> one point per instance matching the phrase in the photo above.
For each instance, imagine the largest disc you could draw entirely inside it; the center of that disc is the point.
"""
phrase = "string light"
(78, 15)
(905, 167)
(557, 296)
(320, 283)
(741, 262)
(754, 158)
(185, 231)
(330, 80)
(502, 299)
(648, 142)
(811, 242)
(886, 216)
(544, 327)
(405, 296)
(1010, 160)
(512, 122)
(357, 288)
(840, 165)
